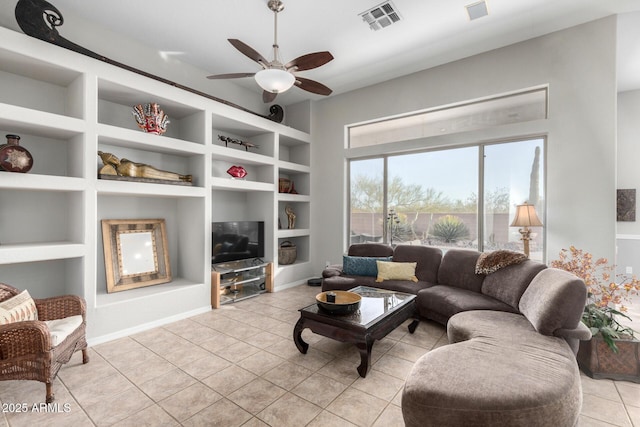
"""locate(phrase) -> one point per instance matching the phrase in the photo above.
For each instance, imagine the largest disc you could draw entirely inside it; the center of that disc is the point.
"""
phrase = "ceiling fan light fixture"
(275, 80)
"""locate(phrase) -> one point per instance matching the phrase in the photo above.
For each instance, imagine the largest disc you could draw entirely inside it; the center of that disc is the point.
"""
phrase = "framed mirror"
(135, 253)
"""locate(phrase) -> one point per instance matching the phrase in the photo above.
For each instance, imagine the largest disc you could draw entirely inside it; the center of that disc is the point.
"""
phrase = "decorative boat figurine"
(237, 172)
(151, 118)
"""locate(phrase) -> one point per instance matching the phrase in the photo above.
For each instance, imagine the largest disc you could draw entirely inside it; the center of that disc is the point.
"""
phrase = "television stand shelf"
(238, 280)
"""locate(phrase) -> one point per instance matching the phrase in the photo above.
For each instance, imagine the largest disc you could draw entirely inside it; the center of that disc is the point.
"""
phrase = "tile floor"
(238, 366)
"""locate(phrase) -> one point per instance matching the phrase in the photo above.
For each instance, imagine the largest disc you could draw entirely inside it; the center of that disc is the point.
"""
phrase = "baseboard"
(145, 326)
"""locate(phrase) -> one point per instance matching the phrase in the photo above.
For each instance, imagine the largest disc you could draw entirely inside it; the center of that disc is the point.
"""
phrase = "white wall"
(629, 151)
(628, 175)
(578, 64)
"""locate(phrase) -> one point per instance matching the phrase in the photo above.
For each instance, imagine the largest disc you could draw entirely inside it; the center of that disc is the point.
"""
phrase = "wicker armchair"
(25, 347)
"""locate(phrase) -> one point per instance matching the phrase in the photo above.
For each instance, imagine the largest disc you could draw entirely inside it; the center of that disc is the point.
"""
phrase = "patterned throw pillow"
(18, 308)
(490, 262)
(361, 265)
(396, 271)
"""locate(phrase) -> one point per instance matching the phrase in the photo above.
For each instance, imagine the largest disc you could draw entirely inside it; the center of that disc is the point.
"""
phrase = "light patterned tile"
(379, 384)
(222, 413)
(393, 366)
(229, 380)
(260, 362)
(629, 392)
(605, 410)
(357, 407)
(167, 384)
(289, 411)
(118, 407)
(152, 416)
(287, 375)
(390, 417)
(206, 366)
(308, 389)
(238, 351)
(189, 401)
(256, 395)
(327, 419)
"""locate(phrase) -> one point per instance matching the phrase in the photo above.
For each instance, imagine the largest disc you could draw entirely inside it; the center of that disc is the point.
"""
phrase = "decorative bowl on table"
(345, 302)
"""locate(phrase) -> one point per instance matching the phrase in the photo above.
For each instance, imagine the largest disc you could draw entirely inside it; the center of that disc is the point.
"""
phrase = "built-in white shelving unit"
(66, 107)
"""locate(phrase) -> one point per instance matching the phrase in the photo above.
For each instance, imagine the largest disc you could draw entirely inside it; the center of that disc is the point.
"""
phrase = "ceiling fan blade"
(268, 96)
(309, 61)
(249, 52)
(312, 86)
(231, 76)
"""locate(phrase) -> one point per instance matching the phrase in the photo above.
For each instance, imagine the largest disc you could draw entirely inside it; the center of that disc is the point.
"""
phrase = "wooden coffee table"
(380, 312)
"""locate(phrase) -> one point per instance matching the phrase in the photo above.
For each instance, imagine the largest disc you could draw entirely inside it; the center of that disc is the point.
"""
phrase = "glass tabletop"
(376, 303)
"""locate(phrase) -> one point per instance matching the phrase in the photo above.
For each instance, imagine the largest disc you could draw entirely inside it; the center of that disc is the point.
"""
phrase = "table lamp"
(526, 217)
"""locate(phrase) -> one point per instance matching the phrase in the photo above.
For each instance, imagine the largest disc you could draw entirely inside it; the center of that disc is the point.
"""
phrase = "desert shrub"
(449, 228)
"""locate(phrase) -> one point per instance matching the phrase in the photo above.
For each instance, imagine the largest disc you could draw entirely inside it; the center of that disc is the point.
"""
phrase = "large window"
(459, 197)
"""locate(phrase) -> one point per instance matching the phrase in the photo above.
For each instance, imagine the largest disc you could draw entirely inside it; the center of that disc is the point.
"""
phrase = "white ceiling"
(431, 32)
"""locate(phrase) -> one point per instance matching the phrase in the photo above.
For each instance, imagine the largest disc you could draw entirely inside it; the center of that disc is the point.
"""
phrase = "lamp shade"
(275, 80)
(526, 216)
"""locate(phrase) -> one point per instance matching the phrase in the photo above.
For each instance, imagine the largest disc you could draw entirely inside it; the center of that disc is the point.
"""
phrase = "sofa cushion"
(344, 283)
(441, 302)
(391, 270)
(428, 260)
(554, 300)
(18, 309)
(361, 265)
(370, 249)
(458, 269)
(490, 262)
(509, 283)
(488, 381)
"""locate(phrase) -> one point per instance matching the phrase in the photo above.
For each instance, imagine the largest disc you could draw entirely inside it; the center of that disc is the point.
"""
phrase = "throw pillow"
(18, 308)
(396, 271)
(361, 265)
(490, 262)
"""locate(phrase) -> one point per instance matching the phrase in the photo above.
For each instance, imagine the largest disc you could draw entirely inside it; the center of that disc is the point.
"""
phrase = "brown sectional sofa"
(513, 337)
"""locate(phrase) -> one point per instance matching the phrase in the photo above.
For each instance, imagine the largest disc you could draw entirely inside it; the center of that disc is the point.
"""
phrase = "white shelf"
(126, 188)
(229, 184)
(242, 157)
(284, 234)
(288, 197)
(113, 135)
(289, 167)
(26, 181)
(31, 252)
(24, 120)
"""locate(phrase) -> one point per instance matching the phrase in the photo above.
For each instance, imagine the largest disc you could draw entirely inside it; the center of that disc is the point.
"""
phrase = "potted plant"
(613, 352)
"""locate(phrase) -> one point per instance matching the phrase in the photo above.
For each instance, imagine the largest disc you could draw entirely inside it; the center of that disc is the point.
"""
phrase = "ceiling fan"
(276, 77)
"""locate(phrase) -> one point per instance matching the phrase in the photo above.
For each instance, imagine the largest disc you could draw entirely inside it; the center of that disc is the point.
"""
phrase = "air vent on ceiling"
(381, 16)
(477, 10)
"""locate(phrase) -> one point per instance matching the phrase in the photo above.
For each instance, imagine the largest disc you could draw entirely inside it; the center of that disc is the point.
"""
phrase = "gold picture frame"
(135, 253)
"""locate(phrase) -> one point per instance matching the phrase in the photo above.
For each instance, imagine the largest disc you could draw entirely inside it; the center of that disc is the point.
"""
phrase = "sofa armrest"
(581, 332)
(332, 271)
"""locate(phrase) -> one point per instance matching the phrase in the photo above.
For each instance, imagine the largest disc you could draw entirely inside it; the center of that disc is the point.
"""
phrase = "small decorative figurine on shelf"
(244, 144)
(291, 217)
(237, 172)
(126, 168)
(151, 118)
(13, 157)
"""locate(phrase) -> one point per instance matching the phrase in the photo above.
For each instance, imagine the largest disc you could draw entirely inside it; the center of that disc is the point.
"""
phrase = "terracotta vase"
(598, 361)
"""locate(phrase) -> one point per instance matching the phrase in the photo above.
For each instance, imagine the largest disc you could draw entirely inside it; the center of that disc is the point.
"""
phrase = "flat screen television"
(236, 240)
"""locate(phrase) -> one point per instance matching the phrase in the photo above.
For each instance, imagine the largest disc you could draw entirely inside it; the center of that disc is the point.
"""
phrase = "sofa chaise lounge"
(513, 336)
